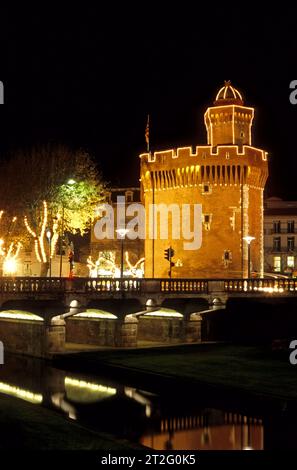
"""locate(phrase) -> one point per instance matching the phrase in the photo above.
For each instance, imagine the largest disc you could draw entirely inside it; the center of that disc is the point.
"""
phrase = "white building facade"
(280, 232)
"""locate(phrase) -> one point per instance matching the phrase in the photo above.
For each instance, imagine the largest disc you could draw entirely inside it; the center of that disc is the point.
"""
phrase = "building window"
(276, 226)
(277, 244)
(277, 264)
(290, 262)
(291, 243)
(291, 226)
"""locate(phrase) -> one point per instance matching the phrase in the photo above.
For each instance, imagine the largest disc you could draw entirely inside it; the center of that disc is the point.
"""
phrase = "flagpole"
(147, 134)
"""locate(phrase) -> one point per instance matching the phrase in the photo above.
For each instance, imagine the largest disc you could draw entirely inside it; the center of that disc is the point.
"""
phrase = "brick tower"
(227, 177)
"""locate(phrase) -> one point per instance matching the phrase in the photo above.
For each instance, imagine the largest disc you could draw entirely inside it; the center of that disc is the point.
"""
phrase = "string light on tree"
(10, 256)
(39, 240)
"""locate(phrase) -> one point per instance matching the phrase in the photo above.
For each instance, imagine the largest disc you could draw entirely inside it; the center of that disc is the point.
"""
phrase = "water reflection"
(18, 392)
(138, 415)
(213, 429)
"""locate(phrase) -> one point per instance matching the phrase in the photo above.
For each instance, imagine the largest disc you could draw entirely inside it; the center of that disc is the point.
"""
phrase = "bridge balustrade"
(260, 285)
(112, 285)
(142, 286)
(34, 284)
(184, 285)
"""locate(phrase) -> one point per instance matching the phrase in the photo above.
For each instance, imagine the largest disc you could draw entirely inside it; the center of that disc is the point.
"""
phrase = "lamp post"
(249, 240)
(49, 237)
(122, 232)
(70, 182)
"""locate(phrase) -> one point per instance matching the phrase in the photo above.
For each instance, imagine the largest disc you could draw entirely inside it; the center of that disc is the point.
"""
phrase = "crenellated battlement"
(189, 155)
(190, 167)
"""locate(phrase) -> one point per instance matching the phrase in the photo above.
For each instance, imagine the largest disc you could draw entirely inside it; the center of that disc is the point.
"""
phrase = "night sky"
(88, 77)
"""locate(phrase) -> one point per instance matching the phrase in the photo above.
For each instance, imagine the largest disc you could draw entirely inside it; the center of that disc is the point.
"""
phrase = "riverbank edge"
(216, 393)
(23, 422)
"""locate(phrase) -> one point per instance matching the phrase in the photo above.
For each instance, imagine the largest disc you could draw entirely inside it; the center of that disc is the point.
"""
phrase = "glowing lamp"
(10, 266)
(122, 232)
(248, 239)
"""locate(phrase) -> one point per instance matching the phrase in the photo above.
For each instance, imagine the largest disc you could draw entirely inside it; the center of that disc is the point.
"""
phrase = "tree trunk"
(44, 267)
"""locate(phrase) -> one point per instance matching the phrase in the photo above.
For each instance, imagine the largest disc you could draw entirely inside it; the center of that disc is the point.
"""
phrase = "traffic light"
(169, 253)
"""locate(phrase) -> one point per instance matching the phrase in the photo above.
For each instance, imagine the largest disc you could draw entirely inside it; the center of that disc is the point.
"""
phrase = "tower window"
(242, 134)
(206, 189)
(207, 221)
(226, 255)
(227, 258)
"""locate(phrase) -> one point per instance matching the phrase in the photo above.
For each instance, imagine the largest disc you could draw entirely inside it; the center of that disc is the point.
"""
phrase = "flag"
(147, 132)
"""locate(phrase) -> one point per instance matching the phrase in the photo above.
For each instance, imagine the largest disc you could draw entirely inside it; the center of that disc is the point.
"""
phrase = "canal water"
(166, 421)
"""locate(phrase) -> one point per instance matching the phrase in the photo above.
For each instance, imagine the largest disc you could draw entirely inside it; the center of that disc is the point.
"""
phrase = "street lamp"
(249, 240)
(49, 237)
(122, 232)
(70, 182)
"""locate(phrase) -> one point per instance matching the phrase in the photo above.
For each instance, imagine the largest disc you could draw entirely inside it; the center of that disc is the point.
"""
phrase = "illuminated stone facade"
(111, 248)
(227, 177)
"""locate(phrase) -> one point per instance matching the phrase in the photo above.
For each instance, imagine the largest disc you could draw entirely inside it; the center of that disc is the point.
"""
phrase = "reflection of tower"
(227, 177)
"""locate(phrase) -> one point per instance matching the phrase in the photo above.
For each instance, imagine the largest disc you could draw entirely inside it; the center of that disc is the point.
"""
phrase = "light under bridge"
(37, 315)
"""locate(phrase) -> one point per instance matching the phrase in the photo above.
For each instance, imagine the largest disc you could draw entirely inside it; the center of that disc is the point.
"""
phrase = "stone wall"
(86, 331)
(161, 330)
(168, 330)
(32, 338)
(22, 336)
(100, 332)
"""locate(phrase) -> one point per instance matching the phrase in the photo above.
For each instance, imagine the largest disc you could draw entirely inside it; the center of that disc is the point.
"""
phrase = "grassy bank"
(30, 427)
(250, 369)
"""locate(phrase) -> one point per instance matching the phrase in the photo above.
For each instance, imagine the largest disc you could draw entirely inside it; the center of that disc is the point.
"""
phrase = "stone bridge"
(34, 311)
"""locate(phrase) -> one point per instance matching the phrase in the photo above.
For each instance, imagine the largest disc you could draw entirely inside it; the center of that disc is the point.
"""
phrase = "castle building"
(227, 178)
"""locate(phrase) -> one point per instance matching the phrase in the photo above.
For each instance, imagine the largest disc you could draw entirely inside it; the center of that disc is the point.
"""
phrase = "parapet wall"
(204, 152)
